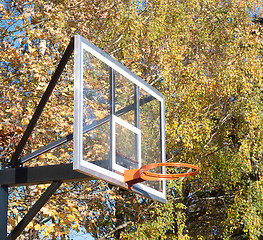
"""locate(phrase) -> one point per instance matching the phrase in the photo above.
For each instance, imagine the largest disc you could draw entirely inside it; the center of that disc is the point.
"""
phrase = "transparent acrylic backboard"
(118, 120)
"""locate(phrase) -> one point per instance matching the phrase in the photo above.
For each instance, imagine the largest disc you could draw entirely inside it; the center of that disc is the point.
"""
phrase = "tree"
(211, 74)
(205, 56)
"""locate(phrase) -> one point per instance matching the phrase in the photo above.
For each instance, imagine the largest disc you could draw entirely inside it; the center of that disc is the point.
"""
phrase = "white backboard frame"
(81, 44)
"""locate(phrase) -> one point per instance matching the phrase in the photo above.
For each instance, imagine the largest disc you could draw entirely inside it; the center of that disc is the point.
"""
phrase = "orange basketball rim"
(134, 176)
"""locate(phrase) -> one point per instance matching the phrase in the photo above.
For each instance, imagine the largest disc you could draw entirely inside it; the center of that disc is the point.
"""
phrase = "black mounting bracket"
(17, 175)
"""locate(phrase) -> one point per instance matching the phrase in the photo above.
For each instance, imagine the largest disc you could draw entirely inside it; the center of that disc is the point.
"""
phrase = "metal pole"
(41, 175)
(33, 210)
(112, 91)
(112, 112)
(137, 119)
(3, 211)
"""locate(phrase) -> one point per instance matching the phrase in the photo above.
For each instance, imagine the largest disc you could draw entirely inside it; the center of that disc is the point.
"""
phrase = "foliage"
(205, 56)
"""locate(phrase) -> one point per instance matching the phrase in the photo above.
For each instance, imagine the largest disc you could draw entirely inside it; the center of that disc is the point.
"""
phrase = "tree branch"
(116, 229)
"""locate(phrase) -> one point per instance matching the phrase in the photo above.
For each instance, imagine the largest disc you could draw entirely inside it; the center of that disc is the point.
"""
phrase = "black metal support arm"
(34, 210)
(45, 149)
(86, 129)
(40, 175)
(54, 174)
(42, 103)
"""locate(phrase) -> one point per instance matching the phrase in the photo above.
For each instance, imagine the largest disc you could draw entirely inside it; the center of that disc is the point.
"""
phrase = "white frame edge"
(85, 167)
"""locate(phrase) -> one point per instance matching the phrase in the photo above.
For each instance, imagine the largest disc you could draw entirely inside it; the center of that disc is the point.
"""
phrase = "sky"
(80, 236)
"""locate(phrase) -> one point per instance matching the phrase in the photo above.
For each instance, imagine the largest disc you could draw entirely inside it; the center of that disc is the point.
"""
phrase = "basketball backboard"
(118, 120)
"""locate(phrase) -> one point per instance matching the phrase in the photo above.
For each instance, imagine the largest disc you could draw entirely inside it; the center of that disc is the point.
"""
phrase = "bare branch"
(116, 229)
